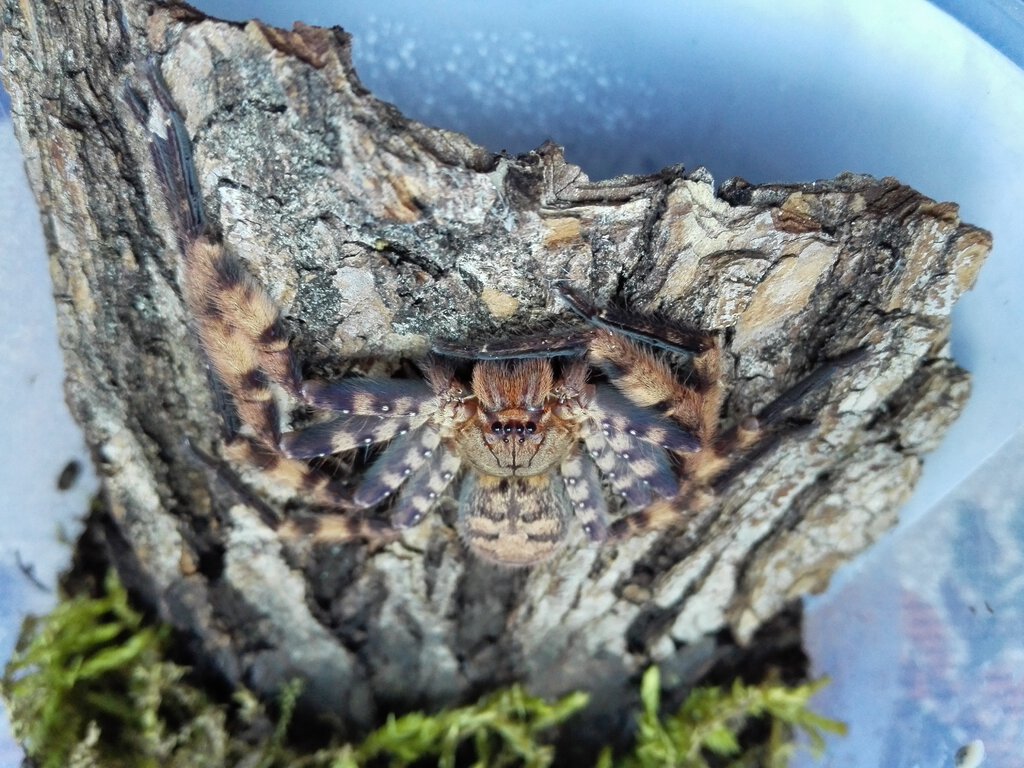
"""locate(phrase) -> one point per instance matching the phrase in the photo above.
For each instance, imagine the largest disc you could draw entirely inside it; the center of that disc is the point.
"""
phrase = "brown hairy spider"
(528, 435)
(531, 438)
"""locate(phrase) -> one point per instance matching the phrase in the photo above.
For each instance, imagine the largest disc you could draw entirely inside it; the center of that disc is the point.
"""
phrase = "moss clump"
(504, 729)
(710, 720)
(90, 686)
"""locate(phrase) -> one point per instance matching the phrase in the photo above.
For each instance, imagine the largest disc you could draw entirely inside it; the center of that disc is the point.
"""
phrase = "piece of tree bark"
(378, 234)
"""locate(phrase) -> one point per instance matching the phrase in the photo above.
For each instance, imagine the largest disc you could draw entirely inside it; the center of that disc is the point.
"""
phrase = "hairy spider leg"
(751, 432)
(375, 411)
(658, 333)
(647, 379)
(318, 487)
(386, 398)
(337, 529)
(238, 325)
(242, 334)
(346, 433)
(417, 463)
(660, 515)
(423, 490)
(651, 385)
(637, 472)
(583, 489)
(418, 494)
(398, 463)
(617, 415)
(171, 152)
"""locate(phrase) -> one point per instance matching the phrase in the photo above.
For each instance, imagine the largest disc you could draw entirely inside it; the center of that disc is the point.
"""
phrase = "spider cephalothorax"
(528, 434)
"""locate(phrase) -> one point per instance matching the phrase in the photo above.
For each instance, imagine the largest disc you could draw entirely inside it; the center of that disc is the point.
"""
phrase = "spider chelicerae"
(529, 433)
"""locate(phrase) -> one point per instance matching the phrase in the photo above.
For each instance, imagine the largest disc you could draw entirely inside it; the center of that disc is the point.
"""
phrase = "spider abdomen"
(516, 521)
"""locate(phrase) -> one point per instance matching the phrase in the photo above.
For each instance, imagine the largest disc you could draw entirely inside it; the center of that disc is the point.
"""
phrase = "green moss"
(505, 729)
(90, 685)
(710, 720)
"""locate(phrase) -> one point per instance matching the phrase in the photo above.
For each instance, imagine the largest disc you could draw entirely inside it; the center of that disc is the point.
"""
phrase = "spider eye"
(531, 427)
(496, 427)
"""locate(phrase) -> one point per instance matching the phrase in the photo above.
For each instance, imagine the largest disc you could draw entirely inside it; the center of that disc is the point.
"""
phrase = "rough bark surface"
(377, 234)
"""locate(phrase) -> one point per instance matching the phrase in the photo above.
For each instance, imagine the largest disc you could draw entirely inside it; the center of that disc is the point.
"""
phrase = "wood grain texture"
(377, 234)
